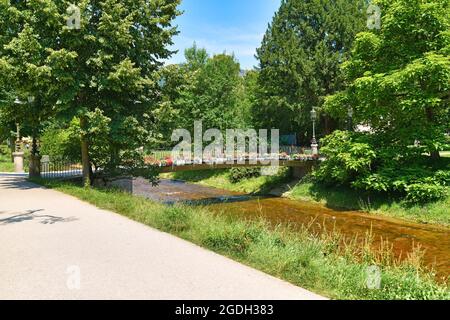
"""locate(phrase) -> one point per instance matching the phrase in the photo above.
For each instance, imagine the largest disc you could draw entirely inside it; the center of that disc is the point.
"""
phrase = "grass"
(221, 179)
(5, 160)
(6, 165)
(324, 264)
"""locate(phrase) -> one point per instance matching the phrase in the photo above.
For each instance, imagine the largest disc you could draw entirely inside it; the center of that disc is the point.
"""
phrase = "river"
(401, 234)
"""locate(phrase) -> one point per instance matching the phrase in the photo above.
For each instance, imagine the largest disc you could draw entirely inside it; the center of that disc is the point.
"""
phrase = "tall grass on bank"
(321, 264)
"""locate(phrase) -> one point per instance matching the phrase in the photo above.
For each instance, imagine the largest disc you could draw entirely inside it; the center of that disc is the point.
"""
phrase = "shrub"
(348, 156)
(442, 177)
(239, 174)
(420, 193)
(351, 160)
(61, 143)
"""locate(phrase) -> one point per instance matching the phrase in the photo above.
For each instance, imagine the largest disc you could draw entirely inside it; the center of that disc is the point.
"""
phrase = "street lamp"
(18, 155)
(314, 145)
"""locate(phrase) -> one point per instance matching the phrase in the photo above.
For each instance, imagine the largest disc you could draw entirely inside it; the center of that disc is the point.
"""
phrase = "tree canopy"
(398, 82)
(105, 63)
(203, 88)
(399, 77)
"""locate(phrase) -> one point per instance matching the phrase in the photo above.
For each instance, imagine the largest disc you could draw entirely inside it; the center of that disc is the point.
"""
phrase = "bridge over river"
(300, 162)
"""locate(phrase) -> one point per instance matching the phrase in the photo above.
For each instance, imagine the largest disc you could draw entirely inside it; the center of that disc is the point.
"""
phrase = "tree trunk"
(435, 155)
(85, 154)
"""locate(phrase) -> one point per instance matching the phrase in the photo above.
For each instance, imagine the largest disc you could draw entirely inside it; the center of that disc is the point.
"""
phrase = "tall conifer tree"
(300, 59)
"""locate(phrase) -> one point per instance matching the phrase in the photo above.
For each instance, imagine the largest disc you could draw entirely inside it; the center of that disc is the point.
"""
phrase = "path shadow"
(12, 182)
(31, 215)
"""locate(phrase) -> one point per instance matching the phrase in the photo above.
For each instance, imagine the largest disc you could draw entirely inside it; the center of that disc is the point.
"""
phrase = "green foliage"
(399, 77)
(239, 174)
(216, 99)
(424, 192)
(106, 67)
(348, 156)
(353, 161)
(398, 84)
(207, 89)
(28, 64)
(60, 143)
(6, 165)
(300, 59)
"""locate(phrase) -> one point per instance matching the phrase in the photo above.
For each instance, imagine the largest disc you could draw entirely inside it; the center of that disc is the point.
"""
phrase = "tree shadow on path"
(31, 215)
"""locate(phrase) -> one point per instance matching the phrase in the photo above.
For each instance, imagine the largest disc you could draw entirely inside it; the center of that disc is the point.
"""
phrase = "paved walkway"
(53, 246)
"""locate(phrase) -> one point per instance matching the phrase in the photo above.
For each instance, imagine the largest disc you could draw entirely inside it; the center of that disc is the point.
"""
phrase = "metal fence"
(59, 168)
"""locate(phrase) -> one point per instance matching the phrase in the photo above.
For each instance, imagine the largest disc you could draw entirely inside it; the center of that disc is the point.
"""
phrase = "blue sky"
(224, 25)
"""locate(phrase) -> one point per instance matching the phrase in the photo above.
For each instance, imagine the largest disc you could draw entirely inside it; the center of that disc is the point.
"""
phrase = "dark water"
(402, 235)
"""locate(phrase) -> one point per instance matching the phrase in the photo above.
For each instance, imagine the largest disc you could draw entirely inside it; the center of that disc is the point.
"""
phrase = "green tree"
(119, 49)
(248, 95)
(207, 89)
(177, 85)
(398, 82)
(300, 59)
(105, 62)
(399, 78)
(216, 93)
(30, 59)
(196, 58)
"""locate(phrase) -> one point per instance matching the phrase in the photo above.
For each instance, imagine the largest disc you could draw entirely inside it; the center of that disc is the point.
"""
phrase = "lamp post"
(18, 154)
(314, 145)
(350, 118)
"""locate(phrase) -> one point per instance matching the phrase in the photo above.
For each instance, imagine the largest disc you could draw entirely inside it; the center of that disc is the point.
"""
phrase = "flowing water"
(402, 235)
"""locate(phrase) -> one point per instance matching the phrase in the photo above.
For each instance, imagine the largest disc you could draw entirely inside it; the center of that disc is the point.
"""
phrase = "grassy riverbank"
(322, 264)
(221, 179)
